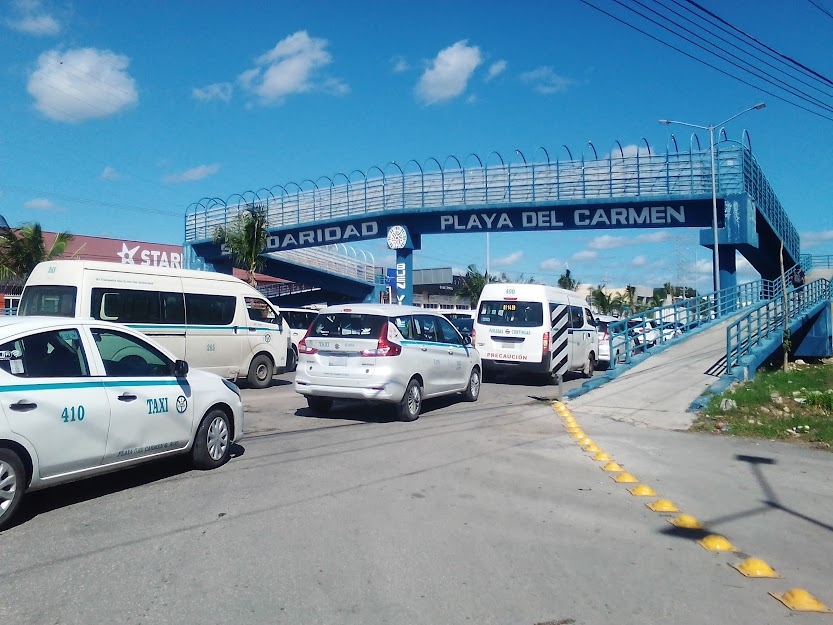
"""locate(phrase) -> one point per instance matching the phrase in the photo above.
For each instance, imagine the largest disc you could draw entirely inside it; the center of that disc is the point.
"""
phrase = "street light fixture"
(710, 128)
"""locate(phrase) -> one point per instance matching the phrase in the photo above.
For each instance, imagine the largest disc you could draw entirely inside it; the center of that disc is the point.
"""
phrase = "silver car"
(394, 354)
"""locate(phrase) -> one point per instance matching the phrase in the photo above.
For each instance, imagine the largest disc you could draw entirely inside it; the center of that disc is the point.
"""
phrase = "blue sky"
(118, 115)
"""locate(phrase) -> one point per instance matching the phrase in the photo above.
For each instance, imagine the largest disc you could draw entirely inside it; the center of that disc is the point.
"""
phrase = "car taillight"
(384, 347)
(606, 335)
(303, 348)
(545, 342)
(473, 335)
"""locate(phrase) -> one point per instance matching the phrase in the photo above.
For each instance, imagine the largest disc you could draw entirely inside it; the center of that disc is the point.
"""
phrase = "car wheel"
(291, 359)
(473, 389)
(589, 366)
(12, 484)
(212, 446)
(319, 404)
(260, 372)
(410, 405)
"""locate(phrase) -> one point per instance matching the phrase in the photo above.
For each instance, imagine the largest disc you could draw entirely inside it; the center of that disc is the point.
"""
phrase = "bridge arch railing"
(632, 172)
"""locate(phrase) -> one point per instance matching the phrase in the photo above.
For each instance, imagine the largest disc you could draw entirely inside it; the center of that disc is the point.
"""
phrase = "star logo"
(126, 254)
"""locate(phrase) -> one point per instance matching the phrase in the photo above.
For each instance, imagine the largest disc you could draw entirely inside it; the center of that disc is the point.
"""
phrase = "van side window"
(448, 334)
(405, 325)
(576, 317)
(260, 310)
(210, 310)
(590, 319)
(53, 301)
(135, 306)
(425, 328)
(53, 354)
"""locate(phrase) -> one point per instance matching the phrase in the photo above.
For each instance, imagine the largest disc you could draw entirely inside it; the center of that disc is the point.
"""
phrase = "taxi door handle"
(425, 349)
(126, 397)
(451, 351)
(23, 406)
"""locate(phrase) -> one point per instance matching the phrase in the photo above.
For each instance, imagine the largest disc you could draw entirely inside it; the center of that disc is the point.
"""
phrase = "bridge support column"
(728, 278)
(405, 277)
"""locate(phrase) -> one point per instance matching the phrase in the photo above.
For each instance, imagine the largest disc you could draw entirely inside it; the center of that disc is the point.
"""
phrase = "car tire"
(473, 389)
(291, 359)
(260, 372)
(589, 366)
(409, 406)
(12, 484)
(319, 404)
(212, 445)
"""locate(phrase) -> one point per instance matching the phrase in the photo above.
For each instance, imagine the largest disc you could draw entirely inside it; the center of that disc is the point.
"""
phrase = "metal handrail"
(768, 318)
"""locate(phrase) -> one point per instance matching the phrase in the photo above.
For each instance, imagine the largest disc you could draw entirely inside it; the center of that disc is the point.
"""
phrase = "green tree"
(23, 248)
(245, 240)
(566, 281)
(471, 285)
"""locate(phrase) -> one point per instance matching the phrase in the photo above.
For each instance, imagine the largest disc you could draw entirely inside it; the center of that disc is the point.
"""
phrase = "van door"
(578, 338)
(214, 339)
(266, 330)
(457, 355)
(430, 354)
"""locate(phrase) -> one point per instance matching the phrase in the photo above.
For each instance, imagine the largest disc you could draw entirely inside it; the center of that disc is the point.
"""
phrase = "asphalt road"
(484, 513)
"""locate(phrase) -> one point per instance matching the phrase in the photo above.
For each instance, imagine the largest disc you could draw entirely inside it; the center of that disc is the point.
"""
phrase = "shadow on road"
(57, 497)
(374, 412)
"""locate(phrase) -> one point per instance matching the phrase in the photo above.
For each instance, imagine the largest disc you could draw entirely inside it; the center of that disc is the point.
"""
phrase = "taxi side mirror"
(466, 339)
(180, 368)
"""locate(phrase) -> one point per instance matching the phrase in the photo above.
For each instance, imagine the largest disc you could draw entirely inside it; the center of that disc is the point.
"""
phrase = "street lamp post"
(710, 128)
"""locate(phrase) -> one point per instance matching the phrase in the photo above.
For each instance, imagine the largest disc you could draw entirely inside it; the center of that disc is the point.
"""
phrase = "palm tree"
(601, 300)
(565, 281)
(245, 239)
(23, 248)
(471, 285)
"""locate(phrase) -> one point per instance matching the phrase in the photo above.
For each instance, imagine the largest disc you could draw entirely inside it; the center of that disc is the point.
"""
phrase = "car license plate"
(338, 361)
(508, 345)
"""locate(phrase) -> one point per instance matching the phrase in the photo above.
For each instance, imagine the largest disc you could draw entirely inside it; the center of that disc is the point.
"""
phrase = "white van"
(214, 321)
(299, 320)
(534, 328)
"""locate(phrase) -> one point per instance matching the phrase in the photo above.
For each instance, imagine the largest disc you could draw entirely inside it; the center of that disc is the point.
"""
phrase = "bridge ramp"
(658, 391)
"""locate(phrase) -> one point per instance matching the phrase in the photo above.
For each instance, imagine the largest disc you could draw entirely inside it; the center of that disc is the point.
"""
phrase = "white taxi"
(82, 397)
(386, 353)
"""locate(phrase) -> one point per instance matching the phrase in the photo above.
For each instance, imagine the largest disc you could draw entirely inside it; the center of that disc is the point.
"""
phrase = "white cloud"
(585, 255)
(607, 242)
(217, 91)
(550, 264)
(196, 173)
(496, 69)
(657, 236)
(639, 261)
(40, 204)
(545, 80)
(506, 261)
(31, 19)
(291, 67)
(111, 174)
(399, 64)
(814, 239)
(449, 73)
(81, 84)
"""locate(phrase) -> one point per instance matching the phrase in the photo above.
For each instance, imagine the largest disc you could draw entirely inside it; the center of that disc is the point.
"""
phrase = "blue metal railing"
(816, 261)
(653, 327)
(768, 320)
(678, 175)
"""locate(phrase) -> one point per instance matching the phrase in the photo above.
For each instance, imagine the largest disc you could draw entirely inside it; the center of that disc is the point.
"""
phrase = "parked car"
(298, 320)
(397, 355)
(604, 330)
(645, 329)
(82, 397)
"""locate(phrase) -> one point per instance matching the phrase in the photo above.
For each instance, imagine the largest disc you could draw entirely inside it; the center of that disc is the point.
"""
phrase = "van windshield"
(511, 314)
(52, 301)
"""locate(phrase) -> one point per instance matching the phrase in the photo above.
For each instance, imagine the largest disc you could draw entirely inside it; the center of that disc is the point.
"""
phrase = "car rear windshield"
(52, 301)
(347, 325)
(512, 314)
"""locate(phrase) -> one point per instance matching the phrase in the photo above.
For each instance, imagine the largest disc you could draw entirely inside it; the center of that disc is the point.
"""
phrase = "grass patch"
(796, 405)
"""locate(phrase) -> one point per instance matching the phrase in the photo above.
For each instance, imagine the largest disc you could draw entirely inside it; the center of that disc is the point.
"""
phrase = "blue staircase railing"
(766, 322)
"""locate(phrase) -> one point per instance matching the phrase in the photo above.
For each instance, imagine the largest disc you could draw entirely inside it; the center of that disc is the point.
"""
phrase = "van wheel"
(212, 445)
(319, 404)
(291, 359)
(12, 484)
(410, 405)
(589, 366)
(473, 389)
(260, 372)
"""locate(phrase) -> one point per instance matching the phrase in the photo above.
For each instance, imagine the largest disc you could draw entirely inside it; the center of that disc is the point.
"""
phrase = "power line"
(703, 62)
(821, 8)
(77, 200)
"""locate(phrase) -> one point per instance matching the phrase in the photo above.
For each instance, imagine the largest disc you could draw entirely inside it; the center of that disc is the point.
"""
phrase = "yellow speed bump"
(800, 600)
(663, 505)
(592, 447)
(584, 440)
(602, 457)
(713, 542)
(686, 521)
(573, 428)
(754, 567)
(559, 405)
(643, 490)
(612, 467)
(578, 434)
(625, 478)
